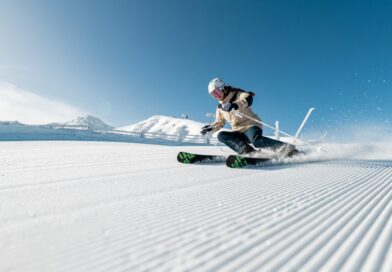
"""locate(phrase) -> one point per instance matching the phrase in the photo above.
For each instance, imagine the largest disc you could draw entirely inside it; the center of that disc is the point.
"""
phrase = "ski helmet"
(214, 84)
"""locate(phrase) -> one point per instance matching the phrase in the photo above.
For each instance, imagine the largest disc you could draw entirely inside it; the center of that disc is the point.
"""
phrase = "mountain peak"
(90, 122)
(165, 125)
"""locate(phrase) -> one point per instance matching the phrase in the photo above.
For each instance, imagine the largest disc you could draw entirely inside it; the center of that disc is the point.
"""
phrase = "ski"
(236, 161)
(188, 158)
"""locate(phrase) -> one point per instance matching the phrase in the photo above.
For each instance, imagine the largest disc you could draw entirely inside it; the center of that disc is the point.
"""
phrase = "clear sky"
(124, 61)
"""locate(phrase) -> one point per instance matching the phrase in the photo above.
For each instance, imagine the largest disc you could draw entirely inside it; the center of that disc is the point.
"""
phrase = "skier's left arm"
(244, 100)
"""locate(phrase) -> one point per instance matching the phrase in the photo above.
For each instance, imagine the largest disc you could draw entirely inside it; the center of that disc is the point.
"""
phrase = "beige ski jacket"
(243, 100)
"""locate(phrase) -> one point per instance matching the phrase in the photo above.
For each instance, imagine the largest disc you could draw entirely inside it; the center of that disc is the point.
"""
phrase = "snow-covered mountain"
(160, 124)
(88, 122)
(163, 129)
(86, 128)
(168, 128)
(15, 131)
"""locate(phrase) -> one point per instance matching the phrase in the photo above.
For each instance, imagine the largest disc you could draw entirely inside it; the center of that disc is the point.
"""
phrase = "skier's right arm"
(217, 125)
(219, 121)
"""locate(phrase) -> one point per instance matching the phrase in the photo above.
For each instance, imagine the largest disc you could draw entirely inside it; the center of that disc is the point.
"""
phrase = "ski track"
(95, 206)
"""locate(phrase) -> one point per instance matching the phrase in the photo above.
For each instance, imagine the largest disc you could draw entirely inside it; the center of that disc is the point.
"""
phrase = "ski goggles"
(217, 93)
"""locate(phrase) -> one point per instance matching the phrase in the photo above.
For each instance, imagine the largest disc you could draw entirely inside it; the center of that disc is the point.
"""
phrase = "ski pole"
(284, 133)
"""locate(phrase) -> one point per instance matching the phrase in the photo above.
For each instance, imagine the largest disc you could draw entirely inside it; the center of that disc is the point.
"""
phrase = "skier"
(244, 130)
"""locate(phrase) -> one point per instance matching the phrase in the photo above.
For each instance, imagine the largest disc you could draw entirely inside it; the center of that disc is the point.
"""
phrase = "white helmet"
(215, 83)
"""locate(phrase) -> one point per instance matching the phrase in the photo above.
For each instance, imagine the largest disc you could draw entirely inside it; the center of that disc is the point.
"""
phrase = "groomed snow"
(98, 206)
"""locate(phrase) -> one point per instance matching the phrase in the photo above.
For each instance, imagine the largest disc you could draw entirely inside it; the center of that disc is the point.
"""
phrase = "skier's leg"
(255, 136)
(236, 141)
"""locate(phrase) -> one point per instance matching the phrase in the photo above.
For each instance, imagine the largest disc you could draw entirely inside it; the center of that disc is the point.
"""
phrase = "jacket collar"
(227, 98)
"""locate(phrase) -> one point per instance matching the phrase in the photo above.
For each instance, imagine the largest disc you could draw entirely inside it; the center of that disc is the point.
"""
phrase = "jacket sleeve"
(244, 100)
(219, 121)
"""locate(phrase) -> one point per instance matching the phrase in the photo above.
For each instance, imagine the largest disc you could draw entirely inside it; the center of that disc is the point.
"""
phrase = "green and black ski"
(236, 161)
(185, 157)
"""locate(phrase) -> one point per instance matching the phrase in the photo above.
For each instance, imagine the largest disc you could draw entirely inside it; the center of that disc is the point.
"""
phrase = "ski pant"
(240, 142)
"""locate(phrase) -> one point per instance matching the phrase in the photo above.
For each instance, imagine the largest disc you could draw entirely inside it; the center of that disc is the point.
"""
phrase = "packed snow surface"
(98, 206)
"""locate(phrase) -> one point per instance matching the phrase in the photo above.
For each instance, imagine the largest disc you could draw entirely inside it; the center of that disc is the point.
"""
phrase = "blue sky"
(127, 60)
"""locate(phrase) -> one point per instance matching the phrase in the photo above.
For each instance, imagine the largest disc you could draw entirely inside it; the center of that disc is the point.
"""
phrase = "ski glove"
(206, 129)
(229, 107)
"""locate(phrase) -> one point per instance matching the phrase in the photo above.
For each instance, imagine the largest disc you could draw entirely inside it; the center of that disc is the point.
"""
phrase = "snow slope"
(96, 206)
